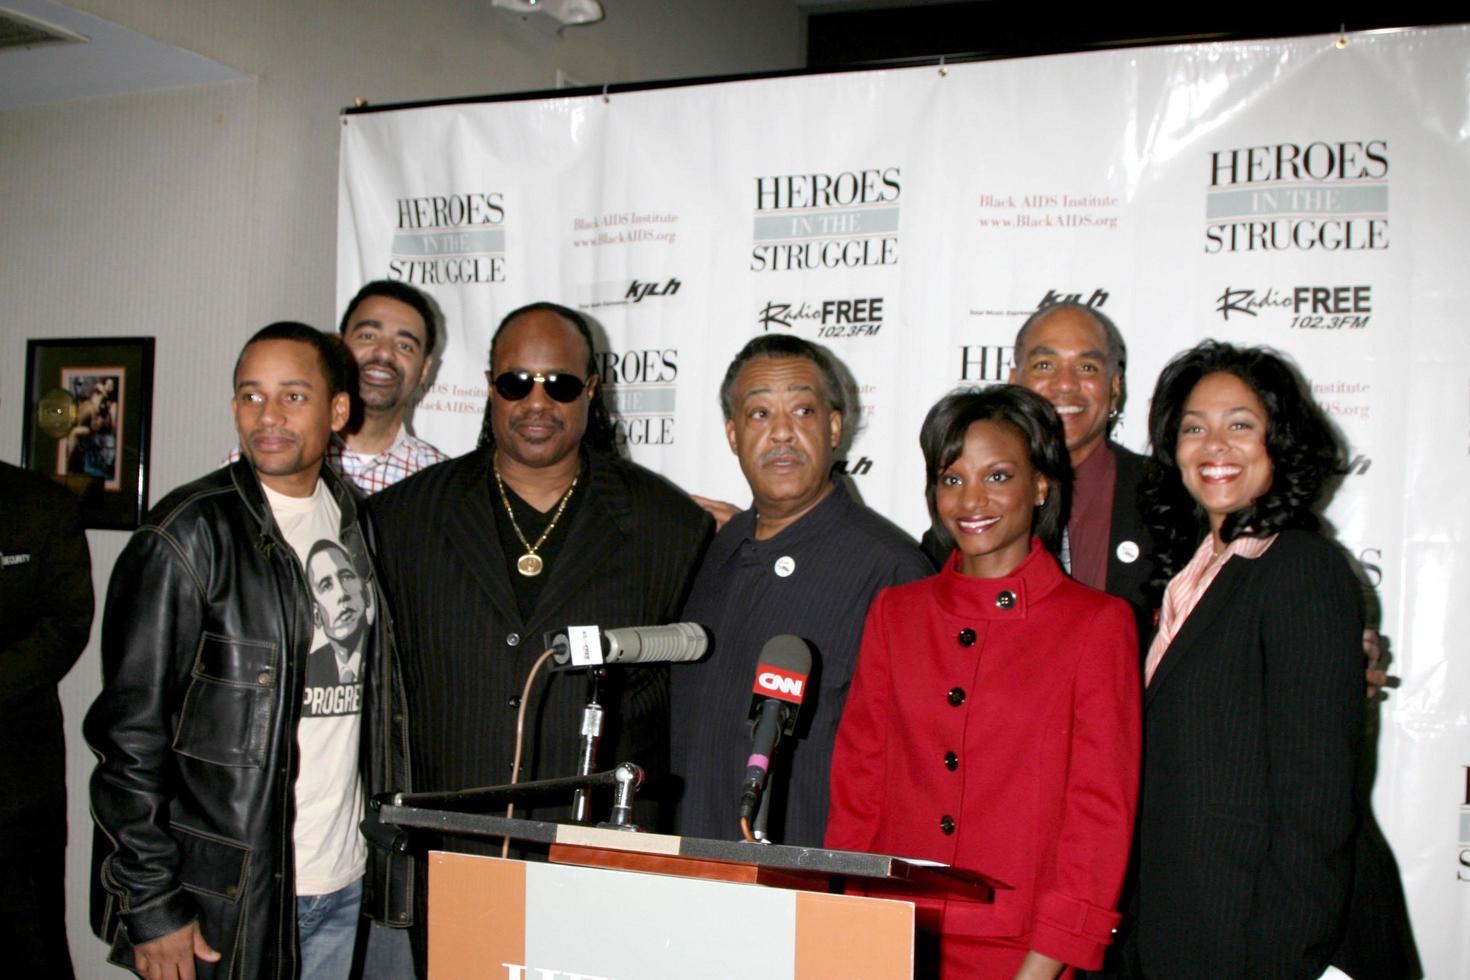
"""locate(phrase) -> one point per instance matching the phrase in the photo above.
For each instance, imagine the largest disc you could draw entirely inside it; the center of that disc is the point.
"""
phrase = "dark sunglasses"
(515, 385)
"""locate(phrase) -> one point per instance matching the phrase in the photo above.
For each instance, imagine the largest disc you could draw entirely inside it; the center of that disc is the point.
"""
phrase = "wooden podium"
(619, 905)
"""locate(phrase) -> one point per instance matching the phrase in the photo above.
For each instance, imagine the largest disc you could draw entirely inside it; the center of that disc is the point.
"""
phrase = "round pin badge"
(1127, 552)
(785, 565)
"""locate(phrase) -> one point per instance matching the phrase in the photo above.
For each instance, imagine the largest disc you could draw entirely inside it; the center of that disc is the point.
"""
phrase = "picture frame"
(88, 423)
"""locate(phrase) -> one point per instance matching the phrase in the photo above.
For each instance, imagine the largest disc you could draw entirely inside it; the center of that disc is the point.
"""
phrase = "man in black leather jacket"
(207, 630)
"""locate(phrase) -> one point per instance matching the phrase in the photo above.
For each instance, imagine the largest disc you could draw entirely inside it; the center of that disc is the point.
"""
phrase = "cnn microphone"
(780, 686)
(587, 646)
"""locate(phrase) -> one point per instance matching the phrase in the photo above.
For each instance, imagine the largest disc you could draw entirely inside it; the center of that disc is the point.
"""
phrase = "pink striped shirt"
(1189, 586)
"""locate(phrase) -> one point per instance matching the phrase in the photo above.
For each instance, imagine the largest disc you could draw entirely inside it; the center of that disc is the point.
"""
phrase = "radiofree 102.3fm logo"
(857, 316)
(1300, 307)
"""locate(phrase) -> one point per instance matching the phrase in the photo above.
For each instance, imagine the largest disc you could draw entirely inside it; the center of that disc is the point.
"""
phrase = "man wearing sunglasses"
(543, 526)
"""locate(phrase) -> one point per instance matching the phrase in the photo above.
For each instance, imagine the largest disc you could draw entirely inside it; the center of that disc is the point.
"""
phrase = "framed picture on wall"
(88, 416)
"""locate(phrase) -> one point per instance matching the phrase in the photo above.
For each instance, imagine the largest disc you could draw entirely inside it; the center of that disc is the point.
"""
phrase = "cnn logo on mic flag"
(773, 682)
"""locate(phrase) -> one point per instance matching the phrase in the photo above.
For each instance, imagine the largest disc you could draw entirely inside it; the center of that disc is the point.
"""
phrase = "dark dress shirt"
(841, 555)
(1089, 528)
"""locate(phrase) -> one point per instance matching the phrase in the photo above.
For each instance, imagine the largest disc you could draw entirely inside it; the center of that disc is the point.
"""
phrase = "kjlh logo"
(627, 292)
(449, 239)
(844, 467)
(640, 387)
(826, 221)
(1312, 307)
(639, 291)
(1316, 196)
(1095, 299)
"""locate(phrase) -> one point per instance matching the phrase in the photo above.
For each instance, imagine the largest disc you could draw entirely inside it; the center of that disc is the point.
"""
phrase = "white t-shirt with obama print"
(330, 853)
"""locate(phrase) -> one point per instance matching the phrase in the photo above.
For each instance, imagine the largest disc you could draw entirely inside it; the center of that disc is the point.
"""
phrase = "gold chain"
(530, 564)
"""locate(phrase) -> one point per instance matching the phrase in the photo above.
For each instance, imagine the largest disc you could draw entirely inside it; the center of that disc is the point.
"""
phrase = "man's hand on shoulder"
(1375, 650)
(718, 509)
(171, 957)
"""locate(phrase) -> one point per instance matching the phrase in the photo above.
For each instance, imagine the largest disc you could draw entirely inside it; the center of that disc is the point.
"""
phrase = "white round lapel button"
(785, 565)
(1127, 552)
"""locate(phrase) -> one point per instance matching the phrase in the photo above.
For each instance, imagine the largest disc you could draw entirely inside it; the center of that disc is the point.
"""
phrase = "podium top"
(925, 874)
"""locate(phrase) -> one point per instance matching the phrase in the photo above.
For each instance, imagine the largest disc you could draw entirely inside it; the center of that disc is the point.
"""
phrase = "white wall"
(197, 215)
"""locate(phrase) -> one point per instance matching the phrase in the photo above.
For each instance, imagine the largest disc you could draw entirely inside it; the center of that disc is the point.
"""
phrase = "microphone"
(779, 688)
(675, 643)
(588, 646)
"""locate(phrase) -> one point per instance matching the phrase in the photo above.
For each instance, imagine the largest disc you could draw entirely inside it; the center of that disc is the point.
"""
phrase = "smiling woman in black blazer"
(1254, 697)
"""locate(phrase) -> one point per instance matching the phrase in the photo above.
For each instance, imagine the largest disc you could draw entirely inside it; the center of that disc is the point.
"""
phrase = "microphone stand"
(592, 716)
(624, 780)
(763, 813)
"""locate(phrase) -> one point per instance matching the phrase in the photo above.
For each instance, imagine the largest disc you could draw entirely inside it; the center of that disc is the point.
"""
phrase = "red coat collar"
(1008, 597)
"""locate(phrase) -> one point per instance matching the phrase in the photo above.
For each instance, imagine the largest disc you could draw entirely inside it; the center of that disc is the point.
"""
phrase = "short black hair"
(1117, 350)
(1117, 353)
(600, 434)
(339, 369)
(425, 307)
(942, 440)
(785, 345)
(1306, 452)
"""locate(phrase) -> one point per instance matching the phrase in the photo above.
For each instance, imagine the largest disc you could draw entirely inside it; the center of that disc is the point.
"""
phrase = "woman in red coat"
(993, 722)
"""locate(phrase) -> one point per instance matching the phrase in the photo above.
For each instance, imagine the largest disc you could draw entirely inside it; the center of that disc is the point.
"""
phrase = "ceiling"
(111, 61)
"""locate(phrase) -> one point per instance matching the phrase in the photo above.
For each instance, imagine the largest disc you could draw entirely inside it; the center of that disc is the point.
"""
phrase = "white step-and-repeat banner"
(1311, 194)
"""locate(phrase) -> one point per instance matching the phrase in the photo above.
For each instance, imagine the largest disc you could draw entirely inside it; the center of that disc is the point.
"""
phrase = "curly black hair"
(1306, 453)
(415, 299)
(942, 439)
(600, 434)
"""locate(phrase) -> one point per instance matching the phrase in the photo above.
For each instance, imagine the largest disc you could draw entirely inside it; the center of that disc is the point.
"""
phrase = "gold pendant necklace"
(530, 564)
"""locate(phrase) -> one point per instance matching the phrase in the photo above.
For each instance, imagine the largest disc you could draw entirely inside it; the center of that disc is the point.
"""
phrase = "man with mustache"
(805, 559)
(542, 527)
(227, 800)
(391, 330)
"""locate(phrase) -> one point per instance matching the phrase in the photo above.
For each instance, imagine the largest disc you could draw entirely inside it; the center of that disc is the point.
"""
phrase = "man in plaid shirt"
(390, 328)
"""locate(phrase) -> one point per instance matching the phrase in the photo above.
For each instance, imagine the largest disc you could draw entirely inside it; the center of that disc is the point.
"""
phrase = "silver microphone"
(675, 643)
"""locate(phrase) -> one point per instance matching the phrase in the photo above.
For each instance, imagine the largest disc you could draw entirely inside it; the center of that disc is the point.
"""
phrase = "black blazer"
(45, 620)
(1252, 726)
(1128, 536)
(627, 560)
